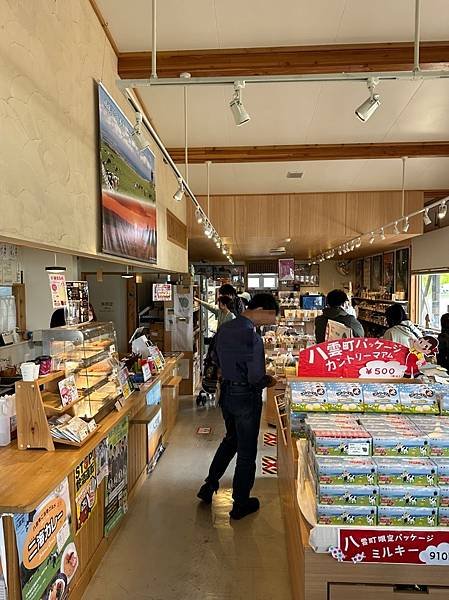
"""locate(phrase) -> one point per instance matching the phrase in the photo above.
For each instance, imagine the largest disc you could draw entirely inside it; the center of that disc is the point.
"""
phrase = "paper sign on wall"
(162, 292)
(101, 461)
(58, 289)
(47, 553)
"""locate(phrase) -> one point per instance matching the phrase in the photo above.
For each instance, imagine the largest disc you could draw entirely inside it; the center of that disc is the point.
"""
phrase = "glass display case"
(88, 352)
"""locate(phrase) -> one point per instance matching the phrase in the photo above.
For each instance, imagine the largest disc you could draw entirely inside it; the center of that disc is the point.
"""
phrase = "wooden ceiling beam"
(288, 60)
(308, 152)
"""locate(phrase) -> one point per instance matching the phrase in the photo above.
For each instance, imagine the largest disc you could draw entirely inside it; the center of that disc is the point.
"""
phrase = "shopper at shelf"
(241, 358)
(92, 317)
(337, 301)
(228, 290)
(401, 329)
(443, 342)
(223, 312)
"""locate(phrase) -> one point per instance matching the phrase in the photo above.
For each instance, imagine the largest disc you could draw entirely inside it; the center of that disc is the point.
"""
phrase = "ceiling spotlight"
(139, 139)
(208, 232)
(369, 107)
(224, 250)
(352, 245)
(179, 194)
(406, 225)
(372, 238)
(340, 251)
(358, 242)
(217, 241)
(442, 210)
(199, 216)
(238, 110)
(382, 234)
(396, 228)
(427, 220)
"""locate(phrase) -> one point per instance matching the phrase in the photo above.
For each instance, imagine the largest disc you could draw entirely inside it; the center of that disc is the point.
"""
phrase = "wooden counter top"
(28, 476)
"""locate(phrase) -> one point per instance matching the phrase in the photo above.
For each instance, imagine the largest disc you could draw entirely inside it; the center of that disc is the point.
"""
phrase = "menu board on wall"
(162, 292)
(78, 301)
(85, 489)
(116, 502)
(47, 553)
(9, 264)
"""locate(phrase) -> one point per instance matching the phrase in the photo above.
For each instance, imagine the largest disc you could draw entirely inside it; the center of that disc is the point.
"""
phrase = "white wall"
(431, 250)
(37, 288)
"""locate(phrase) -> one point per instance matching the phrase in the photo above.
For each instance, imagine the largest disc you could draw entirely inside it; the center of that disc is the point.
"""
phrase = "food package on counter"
(346, 515)
(347, 442)
(352, 495)
(345, 397)
(444, 495)
(356, 471)
(442, 394)
(398, 516)
(308, 396)
(442, 466)
(388, 443)
(418, 398)
(443, 517)
(410, 495)
(406, 471)
(439, 444)
(381, 397)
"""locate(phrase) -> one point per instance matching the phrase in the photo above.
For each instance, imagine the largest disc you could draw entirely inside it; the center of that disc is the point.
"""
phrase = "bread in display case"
(88, 352)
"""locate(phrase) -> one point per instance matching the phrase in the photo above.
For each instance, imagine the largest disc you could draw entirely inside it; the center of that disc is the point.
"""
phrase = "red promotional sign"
(404, 546)
(354, 358)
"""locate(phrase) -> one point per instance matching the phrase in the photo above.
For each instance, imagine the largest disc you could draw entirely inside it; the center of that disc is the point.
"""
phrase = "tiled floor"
(172, 547)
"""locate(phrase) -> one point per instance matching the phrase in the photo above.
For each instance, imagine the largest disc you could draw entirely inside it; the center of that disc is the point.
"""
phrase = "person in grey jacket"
(336, 301)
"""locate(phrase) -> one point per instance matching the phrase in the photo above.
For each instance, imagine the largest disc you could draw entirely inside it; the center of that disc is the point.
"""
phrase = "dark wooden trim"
(288, 60)
(307, 152)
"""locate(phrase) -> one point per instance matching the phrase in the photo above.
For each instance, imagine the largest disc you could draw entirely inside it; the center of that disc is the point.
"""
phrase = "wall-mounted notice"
(116, 503)
(58, 289)
(162, 292)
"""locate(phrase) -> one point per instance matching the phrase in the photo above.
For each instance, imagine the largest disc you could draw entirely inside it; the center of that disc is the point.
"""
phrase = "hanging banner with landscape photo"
(128, 197)
(47, 553)
(116, 503)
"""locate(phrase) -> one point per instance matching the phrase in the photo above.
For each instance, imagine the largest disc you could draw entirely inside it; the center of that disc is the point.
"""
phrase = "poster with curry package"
(47, 553)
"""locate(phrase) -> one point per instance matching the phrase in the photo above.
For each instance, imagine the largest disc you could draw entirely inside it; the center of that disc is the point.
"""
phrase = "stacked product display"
(374, 468)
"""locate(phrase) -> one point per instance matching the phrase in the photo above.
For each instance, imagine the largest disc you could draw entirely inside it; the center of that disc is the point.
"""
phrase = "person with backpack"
(337, 301)
(229, 290)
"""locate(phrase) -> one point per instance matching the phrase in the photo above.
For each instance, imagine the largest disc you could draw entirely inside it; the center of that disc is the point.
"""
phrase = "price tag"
(358, 449)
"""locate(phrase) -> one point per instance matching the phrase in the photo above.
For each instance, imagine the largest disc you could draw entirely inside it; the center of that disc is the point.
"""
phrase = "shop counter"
(29, 476)
(316, 576)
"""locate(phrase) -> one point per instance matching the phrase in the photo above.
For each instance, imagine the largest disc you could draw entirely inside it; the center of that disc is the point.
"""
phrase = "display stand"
(316, 576)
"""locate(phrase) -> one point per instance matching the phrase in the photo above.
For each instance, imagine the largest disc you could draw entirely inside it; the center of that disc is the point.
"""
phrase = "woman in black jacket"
(443, 342)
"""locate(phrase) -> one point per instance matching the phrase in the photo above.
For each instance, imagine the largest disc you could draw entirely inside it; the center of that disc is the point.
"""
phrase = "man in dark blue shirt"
(241, 358)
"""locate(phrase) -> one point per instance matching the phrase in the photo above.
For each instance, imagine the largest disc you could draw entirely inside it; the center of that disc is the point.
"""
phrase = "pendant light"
(128, 274)
(54, 269)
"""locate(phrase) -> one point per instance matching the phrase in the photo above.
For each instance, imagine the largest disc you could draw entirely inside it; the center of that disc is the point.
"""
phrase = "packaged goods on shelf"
(356, 471)
(351, 441)
(346, 515)
(442, 392)
(409, 496)
(344, 396)
(308, 396)
(443, 517)
(406, 471)
(418, 398)
(352, 495)
(395, 437)
(442, 467)
(444, 495)
(397, 516)
(381, 397)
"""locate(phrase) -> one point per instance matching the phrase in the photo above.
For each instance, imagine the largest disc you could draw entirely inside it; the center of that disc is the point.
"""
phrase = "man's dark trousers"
(241, 406)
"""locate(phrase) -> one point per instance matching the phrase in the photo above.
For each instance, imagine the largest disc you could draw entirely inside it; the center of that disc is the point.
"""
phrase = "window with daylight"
(262, 281)
(432, 299)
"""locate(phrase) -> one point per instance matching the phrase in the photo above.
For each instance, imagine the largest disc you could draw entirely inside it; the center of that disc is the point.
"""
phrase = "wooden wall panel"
(318, 216)
(370, 210)
(262, 217)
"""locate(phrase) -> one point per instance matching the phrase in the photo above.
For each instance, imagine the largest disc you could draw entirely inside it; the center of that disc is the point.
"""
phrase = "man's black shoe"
(241, 510)
(206, 492)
